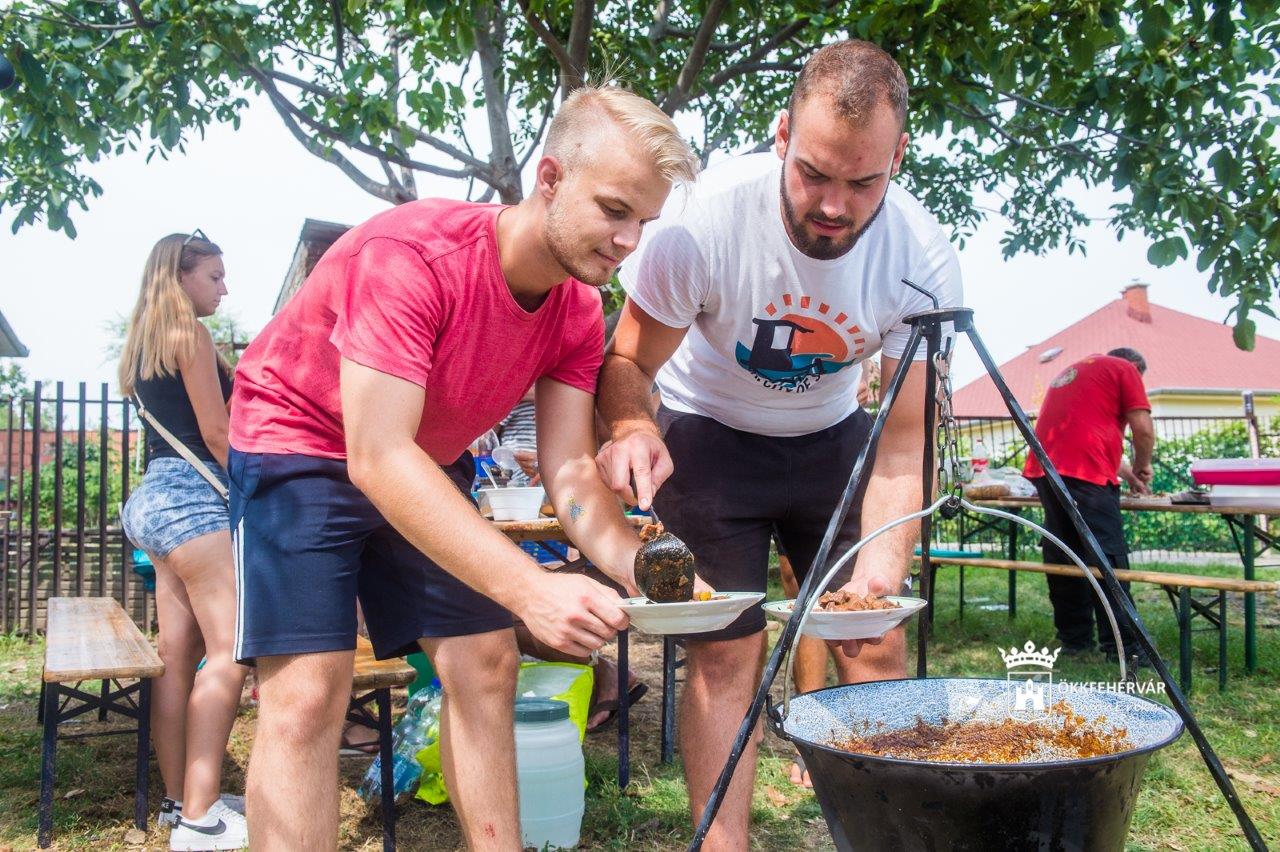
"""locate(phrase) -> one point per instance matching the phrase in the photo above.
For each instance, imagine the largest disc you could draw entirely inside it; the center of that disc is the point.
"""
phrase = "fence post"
(126, 557)
(33, 589)
(104, 489)
(82, 404)
(22, 509)
(55, 590)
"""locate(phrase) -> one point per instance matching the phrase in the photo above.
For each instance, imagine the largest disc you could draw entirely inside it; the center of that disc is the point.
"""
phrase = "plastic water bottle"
(979, 458)
(550, 773)
(417, 729)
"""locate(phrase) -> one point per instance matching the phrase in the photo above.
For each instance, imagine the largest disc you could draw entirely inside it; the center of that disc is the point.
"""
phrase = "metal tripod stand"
(927, 328)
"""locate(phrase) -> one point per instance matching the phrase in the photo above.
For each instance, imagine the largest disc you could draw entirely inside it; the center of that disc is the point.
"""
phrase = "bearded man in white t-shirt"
(751, 303)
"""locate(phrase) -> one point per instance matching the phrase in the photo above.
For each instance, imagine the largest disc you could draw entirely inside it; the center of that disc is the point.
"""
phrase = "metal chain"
(948, 433)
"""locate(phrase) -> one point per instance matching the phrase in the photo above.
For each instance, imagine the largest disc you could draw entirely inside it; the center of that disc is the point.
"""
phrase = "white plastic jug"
(550, 772)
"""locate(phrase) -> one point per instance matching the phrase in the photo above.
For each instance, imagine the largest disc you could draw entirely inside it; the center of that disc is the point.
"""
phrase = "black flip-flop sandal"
(611, 706)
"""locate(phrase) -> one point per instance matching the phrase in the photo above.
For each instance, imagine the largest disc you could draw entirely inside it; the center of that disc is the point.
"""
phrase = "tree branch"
(336, 7)
(660, 15)
(584, 16)
(503, 174)
(364, 148)
(533, 144)
(326, 153)
(562, 57)
(697, 58)
(141, 20)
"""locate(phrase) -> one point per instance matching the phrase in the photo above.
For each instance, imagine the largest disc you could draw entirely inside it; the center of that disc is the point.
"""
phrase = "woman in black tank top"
(169, 364)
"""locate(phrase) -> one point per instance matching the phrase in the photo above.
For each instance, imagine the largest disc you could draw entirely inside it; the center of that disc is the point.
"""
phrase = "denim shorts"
(172, 505)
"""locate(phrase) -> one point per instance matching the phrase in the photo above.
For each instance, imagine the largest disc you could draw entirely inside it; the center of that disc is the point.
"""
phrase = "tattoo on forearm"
(575, 509)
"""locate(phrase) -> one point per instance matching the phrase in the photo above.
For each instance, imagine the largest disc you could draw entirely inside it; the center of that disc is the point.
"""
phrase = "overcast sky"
(250, 190)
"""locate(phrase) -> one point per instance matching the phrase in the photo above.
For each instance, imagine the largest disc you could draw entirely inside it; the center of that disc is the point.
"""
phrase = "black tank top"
(166, 399)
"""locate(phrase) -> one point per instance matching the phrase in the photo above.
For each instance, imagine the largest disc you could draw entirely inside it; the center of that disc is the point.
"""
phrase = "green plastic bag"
(567, 682)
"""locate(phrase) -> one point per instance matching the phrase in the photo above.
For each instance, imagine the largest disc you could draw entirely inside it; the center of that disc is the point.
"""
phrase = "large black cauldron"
(877, 803)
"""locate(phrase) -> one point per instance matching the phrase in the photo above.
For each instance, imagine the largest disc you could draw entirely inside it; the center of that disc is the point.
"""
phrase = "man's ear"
(548, 176)
(783, 134)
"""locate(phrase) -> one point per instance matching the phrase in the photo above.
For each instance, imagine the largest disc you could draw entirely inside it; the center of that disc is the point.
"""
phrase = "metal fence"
(66, 469)
(1152, 536)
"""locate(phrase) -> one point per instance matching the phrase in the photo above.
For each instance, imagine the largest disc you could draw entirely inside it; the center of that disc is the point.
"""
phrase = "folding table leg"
(624, 713)
(48, 755)
(144, 754)
(383, 698)
(1222, 641)
(668, 698)
(1184, 638)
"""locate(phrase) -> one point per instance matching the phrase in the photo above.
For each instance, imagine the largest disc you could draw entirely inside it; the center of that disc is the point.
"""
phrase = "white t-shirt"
(776, 337)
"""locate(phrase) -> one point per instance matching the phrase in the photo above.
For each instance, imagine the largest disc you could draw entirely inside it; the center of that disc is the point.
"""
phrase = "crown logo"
(1029, 656)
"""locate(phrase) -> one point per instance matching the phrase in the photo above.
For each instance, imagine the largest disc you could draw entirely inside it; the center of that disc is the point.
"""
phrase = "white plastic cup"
(515, 503)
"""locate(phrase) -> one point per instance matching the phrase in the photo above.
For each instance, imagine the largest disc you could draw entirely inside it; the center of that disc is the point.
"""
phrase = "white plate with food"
(696, 616)
(838, 624)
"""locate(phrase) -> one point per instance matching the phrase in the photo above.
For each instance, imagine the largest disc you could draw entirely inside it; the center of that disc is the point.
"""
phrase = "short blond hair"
(577, 119)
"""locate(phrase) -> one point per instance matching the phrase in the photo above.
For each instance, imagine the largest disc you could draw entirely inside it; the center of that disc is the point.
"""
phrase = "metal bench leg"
(624, 714)
(1222, 641)
(144, 754)
(1013, 575)
(48, 755)
(40, 705)
(1184, 638)
(383, 698)
(668, 698)
(961, 594)
(106, 694)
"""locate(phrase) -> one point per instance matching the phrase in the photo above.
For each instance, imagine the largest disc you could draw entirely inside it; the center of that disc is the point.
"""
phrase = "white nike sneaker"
(171, 811)
(220, 828)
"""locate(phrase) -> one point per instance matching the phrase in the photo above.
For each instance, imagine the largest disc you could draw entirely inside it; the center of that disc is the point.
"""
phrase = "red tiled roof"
(1182, 352)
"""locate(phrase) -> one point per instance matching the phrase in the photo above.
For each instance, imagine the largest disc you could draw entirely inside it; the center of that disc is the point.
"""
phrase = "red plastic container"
(1236, 472)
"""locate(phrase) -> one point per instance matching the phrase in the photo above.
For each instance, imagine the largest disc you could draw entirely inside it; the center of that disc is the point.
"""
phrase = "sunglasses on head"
(197, 234)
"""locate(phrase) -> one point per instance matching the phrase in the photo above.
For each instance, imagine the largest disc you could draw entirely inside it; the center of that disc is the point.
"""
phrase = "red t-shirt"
(1082, 420)
(416, 292)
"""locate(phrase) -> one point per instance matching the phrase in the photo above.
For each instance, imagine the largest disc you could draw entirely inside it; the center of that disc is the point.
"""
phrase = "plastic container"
(419, 727)
(881, 803)
(515, 503)
(1236, 472)
(550, 773)
(1261, 496)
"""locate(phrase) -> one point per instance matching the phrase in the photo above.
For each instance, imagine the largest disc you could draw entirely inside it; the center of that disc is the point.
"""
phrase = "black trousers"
(1076, 609)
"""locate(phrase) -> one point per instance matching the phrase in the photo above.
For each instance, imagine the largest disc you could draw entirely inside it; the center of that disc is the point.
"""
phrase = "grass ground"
(1179, 808)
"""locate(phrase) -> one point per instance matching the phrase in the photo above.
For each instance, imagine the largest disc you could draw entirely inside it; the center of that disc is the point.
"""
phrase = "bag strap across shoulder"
(181, 448)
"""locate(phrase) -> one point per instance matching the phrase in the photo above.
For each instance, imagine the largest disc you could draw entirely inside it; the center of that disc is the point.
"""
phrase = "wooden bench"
(93, 639)
(372, 684)
(1177, 586)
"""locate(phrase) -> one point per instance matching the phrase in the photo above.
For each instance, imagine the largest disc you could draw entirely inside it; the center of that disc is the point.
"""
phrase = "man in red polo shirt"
(416, 332)
(1081, 425)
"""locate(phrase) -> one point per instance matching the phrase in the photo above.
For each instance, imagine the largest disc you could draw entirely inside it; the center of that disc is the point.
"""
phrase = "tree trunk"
(490, 32)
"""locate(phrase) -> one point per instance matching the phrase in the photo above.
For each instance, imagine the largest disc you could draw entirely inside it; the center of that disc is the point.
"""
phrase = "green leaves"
(1013, 106)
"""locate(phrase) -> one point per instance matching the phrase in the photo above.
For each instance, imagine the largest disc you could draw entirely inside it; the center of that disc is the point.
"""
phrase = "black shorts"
(308, 543)
(732, 491)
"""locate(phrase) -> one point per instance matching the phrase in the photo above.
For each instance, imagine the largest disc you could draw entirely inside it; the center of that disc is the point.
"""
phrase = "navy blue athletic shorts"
(734, 491)
(308, 543)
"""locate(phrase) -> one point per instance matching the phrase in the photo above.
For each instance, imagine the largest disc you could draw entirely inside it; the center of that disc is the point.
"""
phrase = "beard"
(573, 258)
(817, 246)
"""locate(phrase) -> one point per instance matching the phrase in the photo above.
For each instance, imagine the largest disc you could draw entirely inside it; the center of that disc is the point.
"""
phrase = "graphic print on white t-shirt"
(797, 342)
(775, 337)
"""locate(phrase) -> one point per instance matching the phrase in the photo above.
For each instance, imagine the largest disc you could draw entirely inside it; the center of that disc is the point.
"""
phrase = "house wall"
(1210, 405)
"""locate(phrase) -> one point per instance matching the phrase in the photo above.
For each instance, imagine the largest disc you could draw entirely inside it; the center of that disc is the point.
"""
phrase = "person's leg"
(204, 566)
(723, 500)
(810, 668)
(1071, 597)
(180, 647)
(720, 681)
(477, 739)
(293, 771)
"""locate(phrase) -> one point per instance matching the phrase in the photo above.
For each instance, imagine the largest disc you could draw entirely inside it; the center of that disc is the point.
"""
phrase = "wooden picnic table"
(1243, 521)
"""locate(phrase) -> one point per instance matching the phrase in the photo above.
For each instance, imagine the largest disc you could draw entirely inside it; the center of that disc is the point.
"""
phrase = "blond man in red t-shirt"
(1081, 425)
(416, 332)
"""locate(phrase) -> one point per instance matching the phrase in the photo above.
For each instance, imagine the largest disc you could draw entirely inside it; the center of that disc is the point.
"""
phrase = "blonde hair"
(162, 329)
(578, 117)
